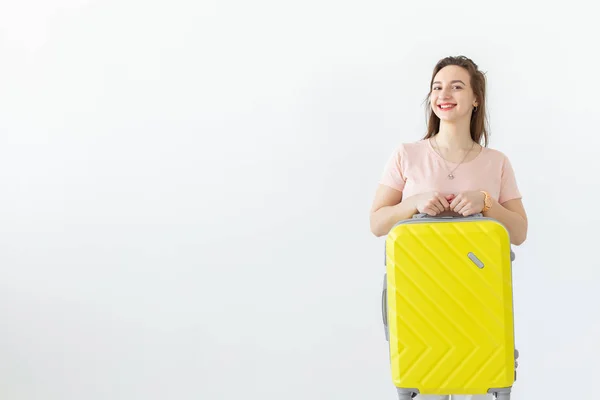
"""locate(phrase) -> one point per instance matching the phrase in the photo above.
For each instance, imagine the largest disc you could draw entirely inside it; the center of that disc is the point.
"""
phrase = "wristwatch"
(487, 201)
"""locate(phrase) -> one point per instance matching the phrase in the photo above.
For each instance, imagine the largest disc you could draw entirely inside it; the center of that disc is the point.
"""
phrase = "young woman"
(449, 171)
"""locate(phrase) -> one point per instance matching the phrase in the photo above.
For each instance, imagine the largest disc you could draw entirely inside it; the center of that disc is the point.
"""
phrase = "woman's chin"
(450, 118)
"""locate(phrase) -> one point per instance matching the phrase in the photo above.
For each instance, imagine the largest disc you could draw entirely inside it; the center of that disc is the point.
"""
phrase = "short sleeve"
(509, 189)
(393, 174)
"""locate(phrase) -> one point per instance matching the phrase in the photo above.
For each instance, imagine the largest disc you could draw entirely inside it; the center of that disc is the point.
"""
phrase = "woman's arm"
(387, 209)
(513, 216)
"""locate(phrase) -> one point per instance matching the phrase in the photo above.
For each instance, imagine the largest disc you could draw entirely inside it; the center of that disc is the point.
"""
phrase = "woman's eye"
(453, 87)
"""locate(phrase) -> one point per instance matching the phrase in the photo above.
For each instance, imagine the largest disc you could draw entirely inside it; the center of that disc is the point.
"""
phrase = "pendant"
(450, 176)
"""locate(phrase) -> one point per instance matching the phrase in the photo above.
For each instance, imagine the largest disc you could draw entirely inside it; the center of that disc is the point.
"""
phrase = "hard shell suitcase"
(448, 306)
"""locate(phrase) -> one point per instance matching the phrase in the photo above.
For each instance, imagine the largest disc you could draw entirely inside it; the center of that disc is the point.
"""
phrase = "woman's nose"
(444, 93)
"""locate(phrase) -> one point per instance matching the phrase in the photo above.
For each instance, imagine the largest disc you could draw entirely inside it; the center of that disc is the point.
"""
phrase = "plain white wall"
(184, 190)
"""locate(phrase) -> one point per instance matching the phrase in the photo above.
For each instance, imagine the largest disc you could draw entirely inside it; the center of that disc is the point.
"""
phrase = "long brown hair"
(479, 122)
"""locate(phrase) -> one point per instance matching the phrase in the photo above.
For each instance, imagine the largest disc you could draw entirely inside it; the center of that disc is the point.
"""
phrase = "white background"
(185, 187)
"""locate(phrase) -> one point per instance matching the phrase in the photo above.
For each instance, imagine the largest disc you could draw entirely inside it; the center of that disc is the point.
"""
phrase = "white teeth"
(450, 106)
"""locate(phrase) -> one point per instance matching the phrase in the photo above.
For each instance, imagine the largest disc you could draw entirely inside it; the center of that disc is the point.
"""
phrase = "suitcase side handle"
(384, 306)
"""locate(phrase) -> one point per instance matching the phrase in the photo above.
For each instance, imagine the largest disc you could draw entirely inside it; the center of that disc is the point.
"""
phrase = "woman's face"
(452, 97)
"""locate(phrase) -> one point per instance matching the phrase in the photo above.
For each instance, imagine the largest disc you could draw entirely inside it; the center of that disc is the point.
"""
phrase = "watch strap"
(487, 201)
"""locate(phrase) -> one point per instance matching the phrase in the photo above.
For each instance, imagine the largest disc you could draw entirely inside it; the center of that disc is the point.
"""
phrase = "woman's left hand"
(468, 203)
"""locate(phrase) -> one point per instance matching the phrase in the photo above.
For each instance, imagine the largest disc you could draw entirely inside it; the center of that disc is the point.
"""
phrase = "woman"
(449, 171)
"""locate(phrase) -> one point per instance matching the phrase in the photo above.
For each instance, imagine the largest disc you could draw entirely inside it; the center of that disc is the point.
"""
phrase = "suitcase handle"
(425, 215)
(384, 302)
(384, 306)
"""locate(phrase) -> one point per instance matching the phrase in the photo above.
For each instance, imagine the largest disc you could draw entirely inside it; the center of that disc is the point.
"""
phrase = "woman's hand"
(468, 203)
(432, 203)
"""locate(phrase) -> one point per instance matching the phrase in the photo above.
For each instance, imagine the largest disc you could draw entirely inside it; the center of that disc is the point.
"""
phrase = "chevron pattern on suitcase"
(451, 320)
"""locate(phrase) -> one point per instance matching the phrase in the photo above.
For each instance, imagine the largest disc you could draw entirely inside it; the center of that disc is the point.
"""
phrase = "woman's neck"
(453, 137)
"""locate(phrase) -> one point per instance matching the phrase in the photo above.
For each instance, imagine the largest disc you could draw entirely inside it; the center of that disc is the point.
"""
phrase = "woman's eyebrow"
(454, 81)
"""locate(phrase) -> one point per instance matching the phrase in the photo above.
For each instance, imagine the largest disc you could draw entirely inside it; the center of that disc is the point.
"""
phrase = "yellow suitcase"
(448, 306)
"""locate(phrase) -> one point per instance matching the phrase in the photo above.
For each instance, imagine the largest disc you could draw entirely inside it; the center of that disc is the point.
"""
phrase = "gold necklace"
(451, 174)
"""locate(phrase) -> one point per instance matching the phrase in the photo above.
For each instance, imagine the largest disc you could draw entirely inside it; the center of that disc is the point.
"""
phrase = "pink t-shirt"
(416, 168)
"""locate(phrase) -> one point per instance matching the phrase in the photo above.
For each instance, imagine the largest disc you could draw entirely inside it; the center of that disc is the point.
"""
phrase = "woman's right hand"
(432, 203)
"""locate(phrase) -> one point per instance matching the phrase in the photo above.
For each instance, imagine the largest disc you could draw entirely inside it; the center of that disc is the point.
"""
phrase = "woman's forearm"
(514, 222)
(386, 217)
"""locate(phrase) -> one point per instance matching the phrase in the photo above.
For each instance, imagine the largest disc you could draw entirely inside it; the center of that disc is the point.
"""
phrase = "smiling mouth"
(445, 107)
